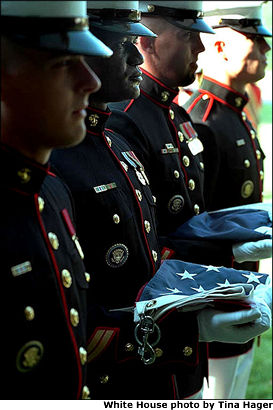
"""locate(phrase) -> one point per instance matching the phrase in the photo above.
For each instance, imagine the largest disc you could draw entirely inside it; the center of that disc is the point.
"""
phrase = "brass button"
(180, 136)
(158, 352)
(262, 175)
(83, 355)
(87, 277)
(191, 184)
(171, 114)
(258, 154)
(187, 351)
(154, 198)
(53, 239)
(147, 226)
(41, 203)
(139, 195)
(243, 115)
(151, 8)
(129, 347)
(247, 163)
(164, 96)
(116, 219)
(253, 134)
(85, 393)
(186, 161)
(74, 317)
(24, 175)
(196, 209)
(104, 379)
(176, 174)
(29, 313)
(205, 97)
(66, 278)
(154, 253)
(202, 165)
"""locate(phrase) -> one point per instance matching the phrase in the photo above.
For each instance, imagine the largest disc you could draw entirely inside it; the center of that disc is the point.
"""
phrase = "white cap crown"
(182, 5)
(119, 5)
(47, 9)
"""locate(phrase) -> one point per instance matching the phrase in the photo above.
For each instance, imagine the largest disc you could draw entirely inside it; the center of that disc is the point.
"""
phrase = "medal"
(195, 146)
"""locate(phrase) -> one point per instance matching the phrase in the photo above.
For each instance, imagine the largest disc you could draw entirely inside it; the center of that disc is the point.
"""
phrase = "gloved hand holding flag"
(228, 306)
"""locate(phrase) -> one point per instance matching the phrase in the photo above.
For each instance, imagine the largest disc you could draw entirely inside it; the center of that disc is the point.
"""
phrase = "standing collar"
(156, 90)
(235, 99)
(96, 119)
(20, 173)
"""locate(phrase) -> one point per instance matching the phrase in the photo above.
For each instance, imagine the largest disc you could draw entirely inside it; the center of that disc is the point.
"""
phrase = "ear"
(147, 44)
(220, 47)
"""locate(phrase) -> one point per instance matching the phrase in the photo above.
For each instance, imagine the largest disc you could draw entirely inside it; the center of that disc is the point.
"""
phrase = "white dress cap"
(119, 5)
(235, 10)
(42, 24)
(44, 8)
(182, 5)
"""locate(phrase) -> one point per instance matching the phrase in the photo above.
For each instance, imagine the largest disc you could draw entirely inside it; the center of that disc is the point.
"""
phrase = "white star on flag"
(200, 289)
(252, 278)
(210, 267)
(224, 284)
(186, 275)
(174, 290)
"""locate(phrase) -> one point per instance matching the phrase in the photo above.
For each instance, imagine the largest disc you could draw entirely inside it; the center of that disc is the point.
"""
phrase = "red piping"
(193, 104)
(55, 265)
(208, 109)
(225, 86)
(154, 101)
(158, 81)
(129, 105)
(135, 195)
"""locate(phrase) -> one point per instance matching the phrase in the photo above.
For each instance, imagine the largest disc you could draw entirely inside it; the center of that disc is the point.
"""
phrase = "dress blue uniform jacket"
(232, 154)
(153, 124)
(159, 132)
(43, 277)
(233, 157)
(115, 212)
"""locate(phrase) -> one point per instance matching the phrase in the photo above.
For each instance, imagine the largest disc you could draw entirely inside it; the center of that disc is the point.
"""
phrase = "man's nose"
(135, 57)
(90, 82)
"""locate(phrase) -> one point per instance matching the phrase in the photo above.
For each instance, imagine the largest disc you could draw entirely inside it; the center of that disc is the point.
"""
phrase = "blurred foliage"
(260, 381)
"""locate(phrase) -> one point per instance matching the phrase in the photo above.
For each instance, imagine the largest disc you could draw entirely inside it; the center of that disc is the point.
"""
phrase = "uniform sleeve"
(212, 162)
(199, 251)
(112, 341)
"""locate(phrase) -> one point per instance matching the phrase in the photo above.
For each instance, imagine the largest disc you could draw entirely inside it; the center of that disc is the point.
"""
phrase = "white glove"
(264, 293)
(233, 327)
(252, 251)
(265, 229)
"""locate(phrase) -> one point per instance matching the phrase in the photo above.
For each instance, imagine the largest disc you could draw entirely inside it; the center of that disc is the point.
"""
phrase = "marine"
(43, 275)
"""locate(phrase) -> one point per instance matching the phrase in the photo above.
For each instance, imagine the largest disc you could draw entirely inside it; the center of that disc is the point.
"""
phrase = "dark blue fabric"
(169, 279)
(235, 226)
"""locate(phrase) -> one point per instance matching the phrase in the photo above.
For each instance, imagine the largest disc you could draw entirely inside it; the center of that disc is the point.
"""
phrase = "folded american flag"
(189, 286)
(236, 224)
